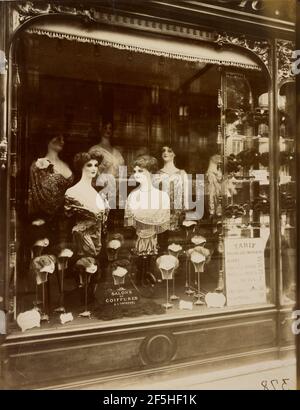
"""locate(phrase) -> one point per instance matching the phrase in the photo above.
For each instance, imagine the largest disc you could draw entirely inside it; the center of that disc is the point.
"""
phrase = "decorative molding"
(284, 53)
(260, 47)
(31, 9)
(3, 152)
(28, 10)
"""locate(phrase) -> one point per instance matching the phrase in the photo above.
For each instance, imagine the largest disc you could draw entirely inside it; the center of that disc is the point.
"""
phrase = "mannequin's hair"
(146, 162)
(45, 137)
(179, 157)
(168, 145)
(107, 122)
(104, 125)
(81, 158)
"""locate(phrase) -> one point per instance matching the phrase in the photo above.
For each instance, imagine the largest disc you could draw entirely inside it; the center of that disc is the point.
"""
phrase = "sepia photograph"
(148, 190)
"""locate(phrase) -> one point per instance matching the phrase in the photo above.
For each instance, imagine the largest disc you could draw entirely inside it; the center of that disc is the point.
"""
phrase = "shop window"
(73, 253)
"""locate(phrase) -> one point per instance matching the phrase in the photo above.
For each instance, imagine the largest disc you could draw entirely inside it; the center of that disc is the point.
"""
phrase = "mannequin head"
(87, 164)
(107, 131)
(167, 154)
(143, 167)
(52, 142)
(56, 143)
(214, 161)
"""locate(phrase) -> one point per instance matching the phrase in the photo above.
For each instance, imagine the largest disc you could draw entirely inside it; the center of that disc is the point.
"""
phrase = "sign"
(121, 297)
(261, 175)
(245, 271)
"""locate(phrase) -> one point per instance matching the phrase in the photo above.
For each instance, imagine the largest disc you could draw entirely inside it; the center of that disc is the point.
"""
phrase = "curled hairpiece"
(146, 162)
(82, 158)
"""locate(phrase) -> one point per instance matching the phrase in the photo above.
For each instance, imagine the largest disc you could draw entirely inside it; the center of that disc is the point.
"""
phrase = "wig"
(81, 159)
(147, 162)
(45, 137)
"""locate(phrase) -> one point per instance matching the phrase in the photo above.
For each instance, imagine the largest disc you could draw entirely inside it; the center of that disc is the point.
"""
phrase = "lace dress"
(214, 191)
(46, 201)
(174, 186)
(46, 189)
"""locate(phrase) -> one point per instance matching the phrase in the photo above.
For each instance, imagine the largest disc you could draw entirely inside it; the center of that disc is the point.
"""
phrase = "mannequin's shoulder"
(71, 192)
(65, 169)
(40, 164)
(64, 164)
(117, 153)
(133, 194)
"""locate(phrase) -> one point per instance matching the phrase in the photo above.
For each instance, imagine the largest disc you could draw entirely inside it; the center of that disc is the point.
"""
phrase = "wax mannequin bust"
(173, 181)
(49, 179)
(87, 206)
(111, 157)
(84, 191)
(54, 148)
(214, 179)
(168, 156)
(148, 210)
(110, 161)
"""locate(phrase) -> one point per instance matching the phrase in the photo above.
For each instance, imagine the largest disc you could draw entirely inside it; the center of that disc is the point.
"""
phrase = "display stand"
(189, 227)
(167, 265)
(174, 250)
(198, 261)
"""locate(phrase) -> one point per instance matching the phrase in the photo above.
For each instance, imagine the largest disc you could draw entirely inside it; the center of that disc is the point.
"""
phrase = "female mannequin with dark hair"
(89, 211)
(111, 158)
(174, 181)
(49, 179)
(88, 207)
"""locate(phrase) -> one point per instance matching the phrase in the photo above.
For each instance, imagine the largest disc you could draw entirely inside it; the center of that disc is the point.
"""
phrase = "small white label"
(261, 175)
(185, 305)
(66, 317)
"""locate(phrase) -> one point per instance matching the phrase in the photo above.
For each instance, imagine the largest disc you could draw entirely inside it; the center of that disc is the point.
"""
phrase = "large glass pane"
(148, 185)
(246, 189)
